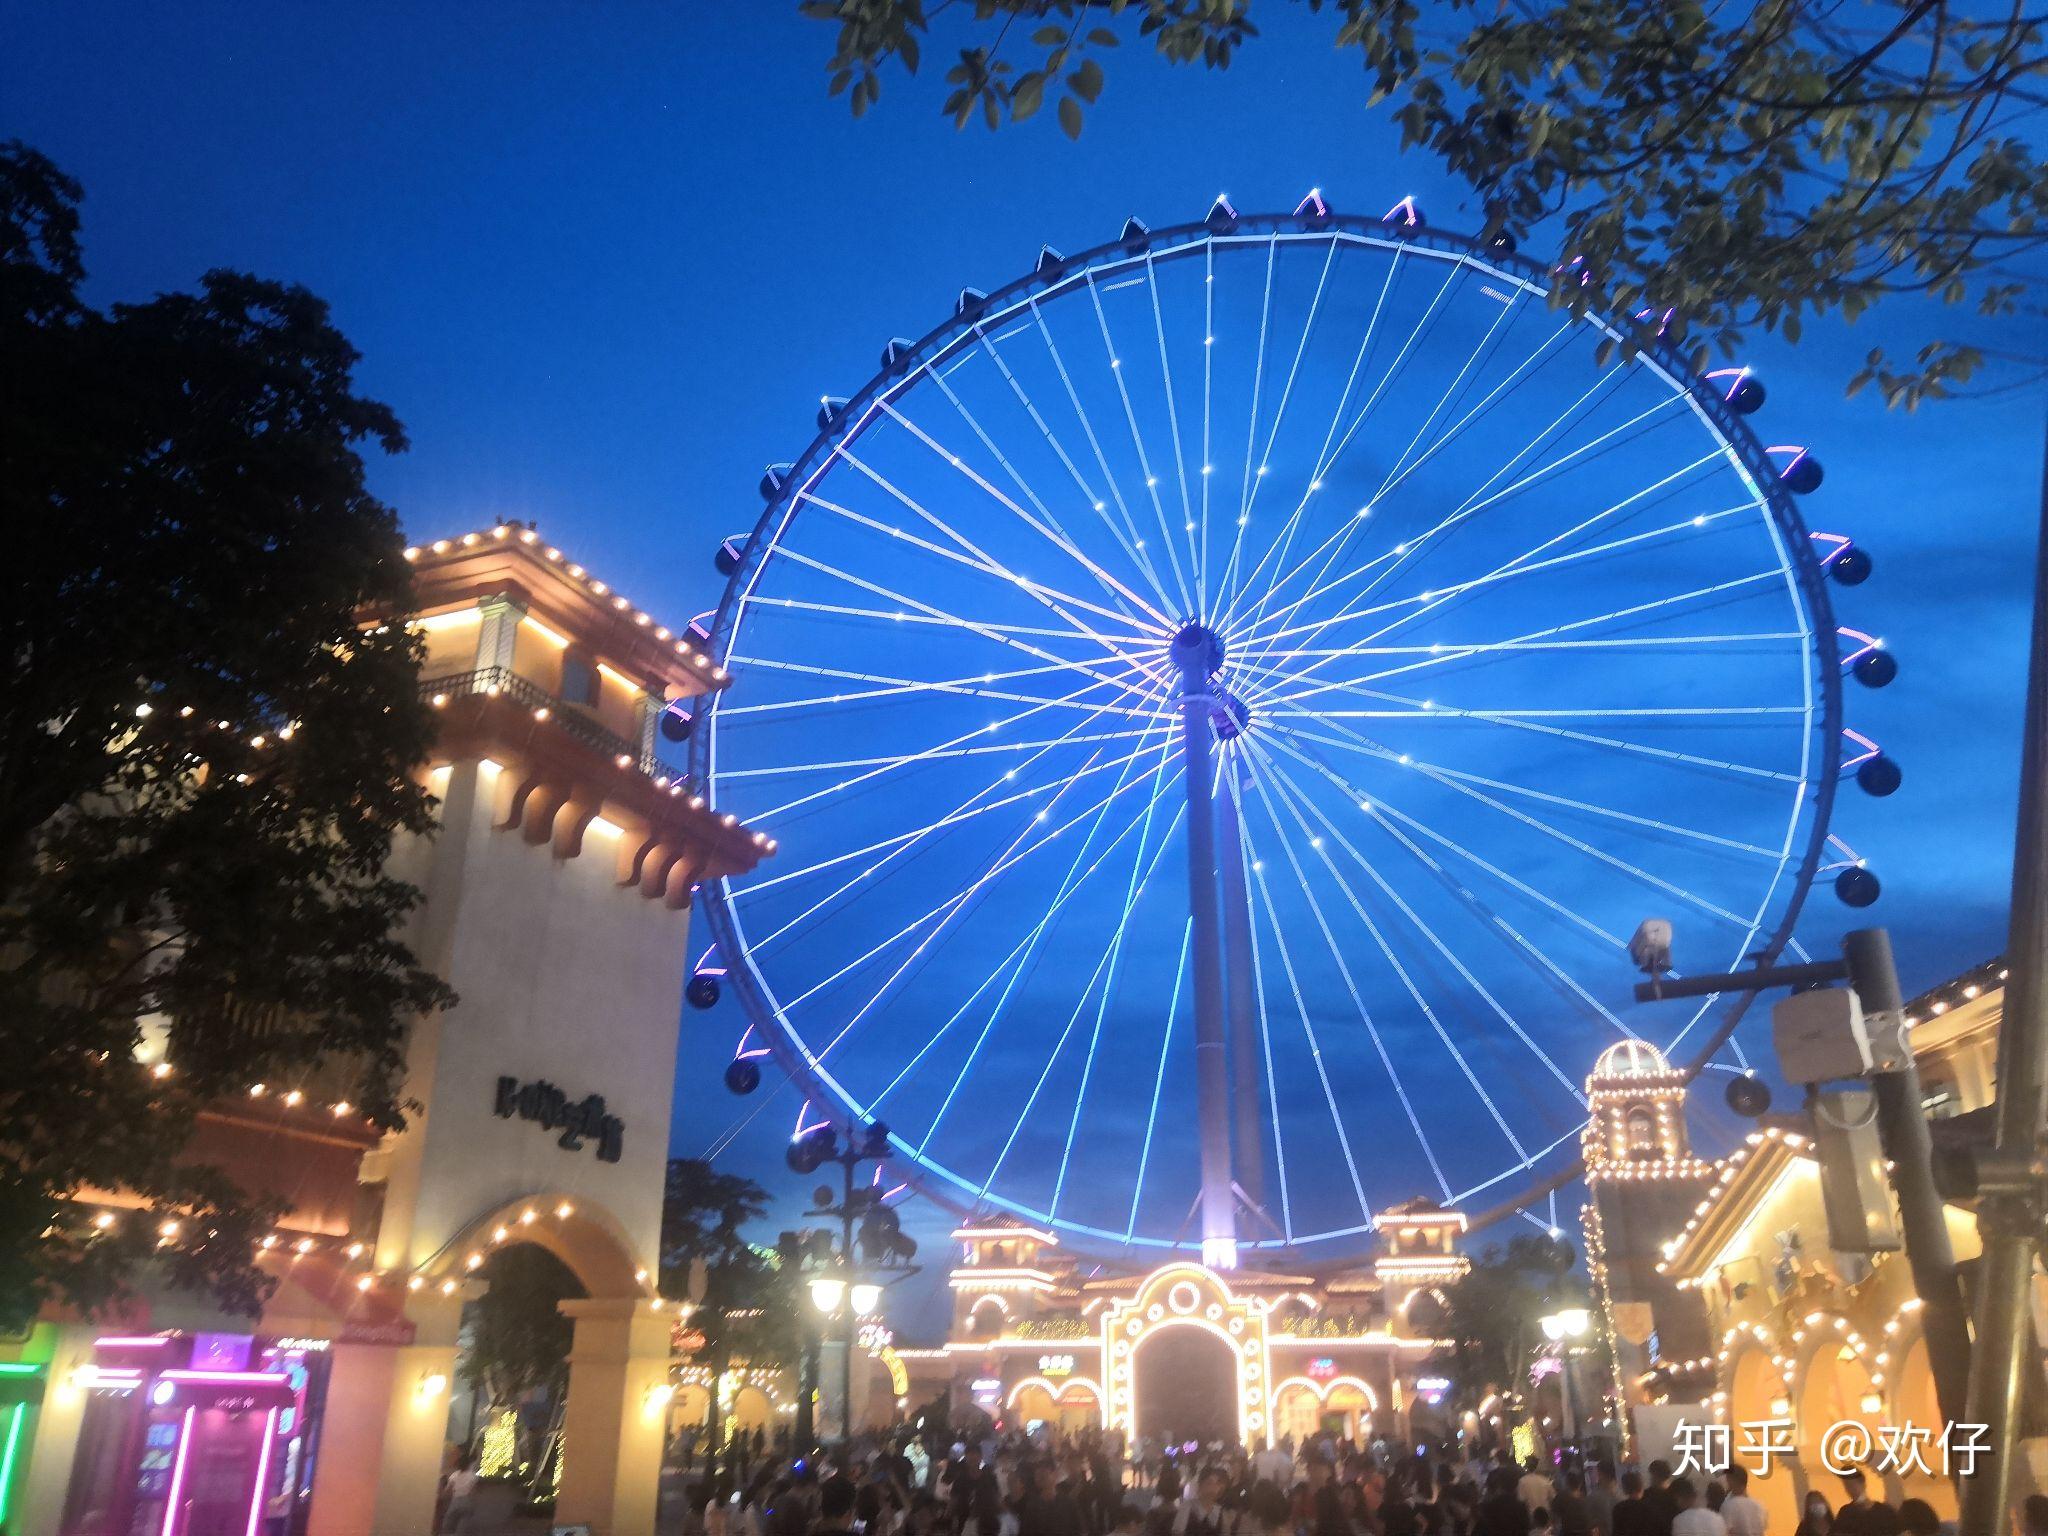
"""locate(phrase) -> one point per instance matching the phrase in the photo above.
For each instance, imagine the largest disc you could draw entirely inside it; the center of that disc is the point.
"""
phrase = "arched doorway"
(751, 1410)
(1297, 1410)
(1837, 1388)
(514, 1363)
(1186, 1386)
(1759, 1393)
(1913, 1403)
(1347, 1409)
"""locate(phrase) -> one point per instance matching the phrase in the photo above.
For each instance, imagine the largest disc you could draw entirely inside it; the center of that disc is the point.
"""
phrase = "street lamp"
(1564, 1329)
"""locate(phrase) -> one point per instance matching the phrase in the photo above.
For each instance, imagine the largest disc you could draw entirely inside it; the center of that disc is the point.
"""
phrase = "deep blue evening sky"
(603, 261)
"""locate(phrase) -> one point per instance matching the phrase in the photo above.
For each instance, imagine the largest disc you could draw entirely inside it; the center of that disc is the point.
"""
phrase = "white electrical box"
(1822, 1036)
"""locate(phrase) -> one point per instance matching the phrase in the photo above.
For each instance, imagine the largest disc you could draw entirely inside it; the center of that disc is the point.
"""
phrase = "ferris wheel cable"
(1208, 390)
(950, 819)
(1180, 972)
(1421, 925)
(1343, 534)
(1090, 714)
(888, 686)
(1514, 566)
(1088, 492)
(1135, 546)
(995, 1014)
(896, 616)
(1244, 494)
(1445, 648)
(1357, 998)
(1256, 873)
(1105, 971)
(1116, 368)
(1632, 611)
(976, 561)
(1524, 1166)
(969, 625)
(1536, 823)
(933, 937)
(841, 764)
(1021, 953)
(1435, 711)
(1286, 394)
(944, 909)
(1050, 528)
(1380, 810)
(953, 688)
(1422, 326)
(1180, 462)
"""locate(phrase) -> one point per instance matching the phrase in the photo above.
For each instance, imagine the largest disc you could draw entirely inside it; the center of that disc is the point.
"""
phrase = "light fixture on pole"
(1564, 1328)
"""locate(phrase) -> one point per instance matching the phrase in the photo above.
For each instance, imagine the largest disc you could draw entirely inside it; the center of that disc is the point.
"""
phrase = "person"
(1539, 1522)
(1632, 1513)
(1815, 1519)
(1862, 1515)
(1535, 1489)
(836, 1498)
(1204, 1514)
(2034, 1515)
(1397, 1513)
(1502, 1512)
(1275, 1465)
(461, 1493)
(1917, 1518)
(1743, 1515)
(1693, 1518)
(1601, 1499)
(1658, 1500)
(976, 1496)
(1047, 1509)
(1573, 1518)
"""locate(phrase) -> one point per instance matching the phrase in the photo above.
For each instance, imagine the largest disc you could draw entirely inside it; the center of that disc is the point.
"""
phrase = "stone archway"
(1836, 1387)
(1913, 1403)
(1758, 1392)
(1182, 1300)
(1185, 1386)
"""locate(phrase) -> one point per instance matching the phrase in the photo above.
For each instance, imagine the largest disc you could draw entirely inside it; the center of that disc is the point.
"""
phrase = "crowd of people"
(1082, 1485)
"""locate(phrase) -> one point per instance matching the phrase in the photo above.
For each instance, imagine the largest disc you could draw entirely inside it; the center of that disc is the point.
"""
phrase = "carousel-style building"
(557, 903)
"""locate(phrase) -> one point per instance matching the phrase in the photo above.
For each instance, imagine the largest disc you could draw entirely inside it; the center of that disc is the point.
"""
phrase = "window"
(1642, 1133)
(1938, 1102)
(579, 679)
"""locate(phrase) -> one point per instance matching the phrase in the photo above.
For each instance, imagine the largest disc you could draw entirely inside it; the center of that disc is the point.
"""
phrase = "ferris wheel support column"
(1249, 1155)
(1197, 654)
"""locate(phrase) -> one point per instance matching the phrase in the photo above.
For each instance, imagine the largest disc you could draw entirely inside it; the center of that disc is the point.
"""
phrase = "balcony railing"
(503, 682)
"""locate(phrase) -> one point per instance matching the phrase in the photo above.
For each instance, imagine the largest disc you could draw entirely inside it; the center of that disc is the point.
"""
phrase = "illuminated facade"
(1749, 1316)
(556, 904)
(1041, 1336)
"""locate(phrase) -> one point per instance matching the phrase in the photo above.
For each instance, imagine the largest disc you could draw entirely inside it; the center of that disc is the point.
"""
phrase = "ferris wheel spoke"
(1350, 986)
(1244, 494)
(1565, 802)
(1047, 529)
(1180, 458)
(1093, 497)
(970, 626)
(1280, 415)
(1104, 972)
(997, 1012)
(1266, 1045)
(1383, 814)
(976, 559)
(1293, 794)
(1180, 972)
(1116, 369)
(1134, 545)
(840, 765)
(898, 616)
(1479, 501)
(976, 685)
(1380, 941)
(1538, 824)
(1256, 872)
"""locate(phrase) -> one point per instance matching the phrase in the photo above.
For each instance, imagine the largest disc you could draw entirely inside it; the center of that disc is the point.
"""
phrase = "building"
(1728, 1302)
(557, 898)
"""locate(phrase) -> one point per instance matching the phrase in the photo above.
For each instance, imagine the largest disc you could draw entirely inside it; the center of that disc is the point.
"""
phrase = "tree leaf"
(1070, 117)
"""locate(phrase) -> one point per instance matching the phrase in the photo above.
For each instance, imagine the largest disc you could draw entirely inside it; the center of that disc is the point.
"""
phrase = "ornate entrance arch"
(1188, 1296)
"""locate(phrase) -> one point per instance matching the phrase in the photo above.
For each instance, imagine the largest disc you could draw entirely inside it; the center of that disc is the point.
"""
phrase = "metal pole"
(1196, 656)
(1923, 1215)
(1248, 1141)
(2009, 1224)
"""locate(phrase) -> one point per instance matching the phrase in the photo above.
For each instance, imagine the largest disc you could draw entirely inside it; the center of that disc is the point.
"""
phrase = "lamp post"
(1564, 1329)
(846, 1277)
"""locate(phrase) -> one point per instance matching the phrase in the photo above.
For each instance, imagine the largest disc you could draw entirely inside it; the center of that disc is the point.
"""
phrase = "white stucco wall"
(563, 975)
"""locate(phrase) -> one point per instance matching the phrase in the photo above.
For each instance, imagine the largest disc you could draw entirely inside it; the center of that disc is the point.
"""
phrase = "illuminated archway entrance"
(1758, 1393)
(1836, 1388)
(1186, 1358)
(1914, 1403)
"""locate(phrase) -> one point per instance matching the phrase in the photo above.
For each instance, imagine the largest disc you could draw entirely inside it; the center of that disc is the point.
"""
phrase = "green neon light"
(20, 1368)
(7, 1458)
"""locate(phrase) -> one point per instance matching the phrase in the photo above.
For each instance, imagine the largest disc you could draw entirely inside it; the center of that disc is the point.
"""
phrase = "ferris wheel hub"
(1197, 651)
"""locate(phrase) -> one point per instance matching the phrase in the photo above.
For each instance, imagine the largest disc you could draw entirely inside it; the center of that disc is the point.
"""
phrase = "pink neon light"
(237, 1378)
(802, 1115)
(178, 1471)
(262, 1471)
(1871, 749)
(1314, 200)
(131, 1341)
(1869, 643)
(1406, 208)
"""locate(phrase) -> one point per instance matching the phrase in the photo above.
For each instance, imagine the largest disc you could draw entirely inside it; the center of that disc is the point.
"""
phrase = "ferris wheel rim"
(908, 363)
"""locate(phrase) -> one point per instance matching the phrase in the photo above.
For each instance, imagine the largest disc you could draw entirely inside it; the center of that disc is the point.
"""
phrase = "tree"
(1714, 169)
(1493, 1317)
(518, 1340)
(204, 759)
(749, 1307)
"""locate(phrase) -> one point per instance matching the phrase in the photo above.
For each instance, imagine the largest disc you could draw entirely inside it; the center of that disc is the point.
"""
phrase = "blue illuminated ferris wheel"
(1226, 699)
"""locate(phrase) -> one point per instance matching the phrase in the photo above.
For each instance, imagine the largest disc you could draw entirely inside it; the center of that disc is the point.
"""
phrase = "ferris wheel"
(1224, 702)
